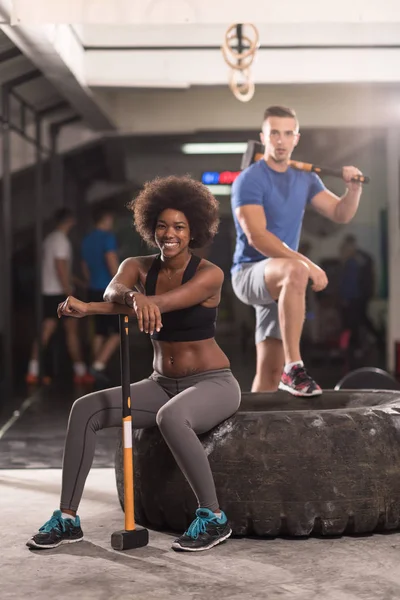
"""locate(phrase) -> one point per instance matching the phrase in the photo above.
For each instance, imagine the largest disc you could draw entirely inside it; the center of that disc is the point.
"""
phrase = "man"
(357, 283)
(100, 263)
(56, 286)
(268, 203)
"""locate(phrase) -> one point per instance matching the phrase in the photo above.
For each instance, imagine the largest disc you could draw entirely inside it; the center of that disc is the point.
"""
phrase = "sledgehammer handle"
(127, 424)
(325, 171)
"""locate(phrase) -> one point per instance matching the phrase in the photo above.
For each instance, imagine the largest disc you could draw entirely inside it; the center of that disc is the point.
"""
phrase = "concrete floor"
(365, 568)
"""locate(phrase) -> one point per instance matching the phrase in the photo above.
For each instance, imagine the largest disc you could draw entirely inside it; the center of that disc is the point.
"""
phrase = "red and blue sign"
(215, 178)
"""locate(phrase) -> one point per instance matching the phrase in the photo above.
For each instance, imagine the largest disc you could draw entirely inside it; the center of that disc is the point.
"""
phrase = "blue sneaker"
(57, 531)
(206, 531)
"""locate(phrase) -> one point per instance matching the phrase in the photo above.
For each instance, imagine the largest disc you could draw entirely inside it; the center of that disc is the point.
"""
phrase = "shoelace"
(53, 523)
(300, 375)
(199, 525)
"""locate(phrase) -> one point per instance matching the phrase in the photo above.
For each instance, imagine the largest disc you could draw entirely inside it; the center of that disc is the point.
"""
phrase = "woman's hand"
(72, 307)
(147, 312)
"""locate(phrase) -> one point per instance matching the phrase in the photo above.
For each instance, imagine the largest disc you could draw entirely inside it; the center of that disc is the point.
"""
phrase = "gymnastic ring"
(248, 86)
(253, 45)
(239, 58)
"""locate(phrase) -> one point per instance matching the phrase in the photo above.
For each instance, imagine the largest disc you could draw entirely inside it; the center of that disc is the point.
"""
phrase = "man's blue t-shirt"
(94, 248)
(282, 195)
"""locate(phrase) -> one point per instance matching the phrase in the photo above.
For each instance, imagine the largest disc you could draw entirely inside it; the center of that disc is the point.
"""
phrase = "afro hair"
(185, 194)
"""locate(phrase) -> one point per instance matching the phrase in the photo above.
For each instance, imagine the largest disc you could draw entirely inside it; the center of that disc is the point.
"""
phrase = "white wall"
(202, 11)
(215, 108)
(174, 69)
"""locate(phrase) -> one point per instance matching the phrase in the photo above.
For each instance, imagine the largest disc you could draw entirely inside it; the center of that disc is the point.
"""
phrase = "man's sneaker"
(34, 379)
(31, 379)
(57, 531)
(299, 383)
(86, 379)
(206, 531)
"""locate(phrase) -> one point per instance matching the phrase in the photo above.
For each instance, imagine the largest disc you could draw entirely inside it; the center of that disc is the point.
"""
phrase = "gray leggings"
(182, 408)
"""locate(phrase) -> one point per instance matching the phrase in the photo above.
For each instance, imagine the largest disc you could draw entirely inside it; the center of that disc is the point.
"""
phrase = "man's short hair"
(99, 212)
(280, 111)
(62, 215)
(350, 239)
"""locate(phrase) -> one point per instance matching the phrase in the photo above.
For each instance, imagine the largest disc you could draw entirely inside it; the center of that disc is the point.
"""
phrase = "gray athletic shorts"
(249, 286)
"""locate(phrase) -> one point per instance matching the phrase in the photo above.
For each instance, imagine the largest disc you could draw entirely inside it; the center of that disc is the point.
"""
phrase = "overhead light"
(220, 190)
(215, 148)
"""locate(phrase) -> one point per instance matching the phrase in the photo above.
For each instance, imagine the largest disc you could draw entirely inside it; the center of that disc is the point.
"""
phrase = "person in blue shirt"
(99, 264)
(268, 203)
(356, 288)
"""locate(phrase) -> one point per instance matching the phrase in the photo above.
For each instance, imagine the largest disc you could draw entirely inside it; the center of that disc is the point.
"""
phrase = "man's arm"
(123, 282)
(340, 210)
(112, 262)
(253, 221)
(62, 269)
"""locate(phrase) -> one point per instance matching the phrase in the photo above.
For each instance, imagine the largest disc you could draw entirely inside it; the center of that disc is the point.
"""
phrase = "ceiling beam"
(174, 69)
(165, 12)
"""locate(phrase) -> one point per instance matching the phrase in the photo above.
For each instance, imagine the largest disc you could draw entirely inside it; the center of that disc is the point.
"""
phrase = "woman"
(191, 389)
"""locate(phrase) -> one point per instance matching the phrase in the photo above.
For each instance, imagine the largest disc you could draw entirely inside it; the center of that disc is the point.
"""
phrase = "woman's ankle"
(68, 511)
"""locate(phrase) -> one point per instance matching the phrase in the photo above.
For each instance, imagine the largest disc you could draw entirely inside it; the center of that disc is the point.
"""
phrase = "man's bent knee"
(297, 274)
(280, 272)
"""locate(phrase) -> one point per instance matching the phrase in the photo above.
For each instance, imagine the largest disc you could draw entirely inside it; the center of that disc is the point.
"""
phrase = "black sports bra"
(187, 324)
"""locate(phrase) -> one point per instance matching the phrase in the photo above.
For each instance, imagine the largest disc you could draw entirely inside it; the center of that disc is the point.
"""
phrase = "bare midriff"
(182, 359)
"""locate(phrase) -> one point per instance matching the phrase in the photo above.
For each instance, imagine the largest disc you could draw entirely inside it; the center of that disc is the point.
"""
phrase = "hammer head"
(254, 152)
(127, 540)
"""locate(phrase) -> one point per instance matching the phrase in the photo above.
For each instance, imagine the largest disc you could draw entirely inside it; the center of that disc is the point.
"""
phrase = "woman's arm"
(72, 307)
(206, 283)
(125, 280)
(109, 308)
